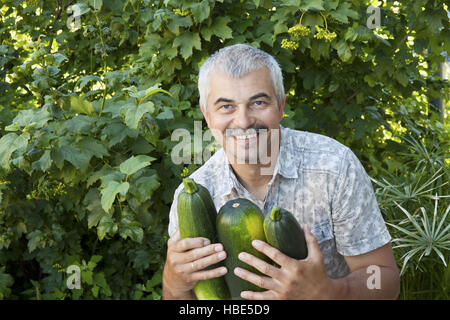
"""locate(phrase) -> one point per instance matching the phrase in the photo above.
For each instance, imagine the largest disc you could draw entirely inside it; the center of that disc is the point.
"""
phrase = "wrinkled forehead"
(221, 83)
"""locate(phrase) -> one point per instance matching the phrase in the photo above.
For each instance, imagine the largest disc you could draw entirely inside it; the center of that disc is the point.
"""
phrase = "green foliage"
(90, 97)
(414, 200)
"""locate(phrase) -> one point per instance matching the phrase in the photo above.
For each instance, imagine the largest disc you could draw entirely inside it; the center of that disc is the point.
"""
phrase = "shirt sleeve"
(357, 221)
(173, 215)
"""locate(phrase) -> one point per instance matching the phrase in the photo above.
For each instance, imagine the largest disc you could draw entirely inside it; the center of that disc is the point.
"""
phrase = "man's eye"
(259, 103)
(226, 107)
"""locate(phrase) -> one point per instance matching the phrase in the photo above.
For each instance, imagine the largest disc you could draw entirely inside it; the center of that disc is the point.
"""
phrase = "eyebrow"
(260, 95)
(223, 100)
(256, 96)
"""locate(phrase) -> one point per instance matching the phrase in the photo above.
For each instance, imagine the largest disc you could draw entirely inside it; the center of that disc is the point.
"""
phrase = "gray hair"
(238, 60)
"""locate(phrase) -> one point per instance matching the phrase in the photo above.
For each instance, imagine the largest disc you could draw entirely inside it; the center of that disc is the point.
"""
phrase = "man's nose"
(244, 118)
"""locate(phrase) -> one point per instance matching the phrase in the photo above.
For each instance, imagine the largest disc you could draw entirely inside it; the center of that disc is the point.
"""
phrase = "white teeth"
(242, 137)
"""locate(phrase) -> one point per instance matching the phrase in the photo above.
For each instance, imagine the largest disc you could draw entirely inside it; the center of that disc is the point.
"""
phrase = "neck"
(250, 175)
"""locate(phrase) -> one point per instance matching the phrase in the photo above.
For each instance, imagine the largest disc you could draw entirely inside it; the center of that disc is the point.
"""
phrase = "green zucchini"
(197, 218)
(239, 222)
(283, 232)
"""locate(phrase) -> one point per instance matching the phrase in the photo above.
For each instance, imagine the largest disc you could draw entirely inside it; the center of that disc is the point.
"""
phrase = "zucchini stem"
(275, 214)
(190, 186)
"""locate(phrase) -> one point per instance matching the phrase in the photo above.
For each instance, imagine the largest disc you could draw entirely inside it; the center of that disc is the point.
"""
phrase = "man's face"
(243, 113)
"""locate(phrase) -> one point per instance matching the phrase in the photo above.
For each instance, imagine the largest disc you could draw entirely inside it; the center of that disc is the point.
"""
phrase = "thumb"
(312, 244)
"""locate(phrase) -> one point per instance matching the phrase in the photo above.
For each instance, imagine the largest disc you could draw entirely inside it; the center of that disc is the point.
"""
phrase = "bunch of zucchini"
(236, 225)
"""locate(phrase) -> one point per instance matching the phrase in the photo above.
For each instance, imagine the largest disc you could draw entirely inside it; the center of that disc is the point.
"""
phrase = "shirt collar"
(288, 159)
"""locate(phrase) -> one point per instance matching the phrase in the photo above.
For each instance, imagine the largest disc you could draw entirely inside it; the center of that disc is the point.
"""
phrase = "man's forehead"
(258, 80)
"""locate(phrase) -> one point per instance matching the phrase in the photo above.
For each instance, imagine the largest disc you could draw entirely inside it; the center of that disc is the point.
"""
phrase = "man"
(315, 177)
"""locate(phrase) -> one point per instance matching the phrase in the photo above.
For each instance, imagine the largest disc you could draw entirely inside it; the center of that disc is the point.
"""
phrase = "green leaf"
(81, 124)
(132, 92)
(34, 240)
(166, 114)
(402, 77)
(86, 276)
(8, 144)
(278, 28)
(312, 4)
(144, 187)
(371, 79)
(93, 146)
(334, 85)
(79, 9)
(187, 41)
(59, 58)
(85, 79)
(149, 129)
(44, 163)
(100, 280)
(94, 206)
(170, 52)
(350, 34)
(133, 113)
(154, 281)
(132, 229)
(6, 281)
(97, 4)
(116, 132)
(218, 28)
(77, 157)
(135, 163)
(343, 51)
(29, 119)
(94, 261)
(291, 3)
(110, 191)
(82, 106)
(312, 19)
(178, 22)
(144, 94)
(331, 4)
(200, 11)
(104, 171)
(344, 12)
(433, 19)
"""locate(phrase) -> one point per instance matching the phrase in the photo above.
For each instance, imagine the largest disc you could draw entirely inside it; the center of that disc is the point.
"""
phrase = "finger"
(199, 253)
(260, 281)
(265, 295)
(314, 252)
(203, 259)
(260, 265)
(174, 238)
(273, 253)
(190, 243)
(209, 274)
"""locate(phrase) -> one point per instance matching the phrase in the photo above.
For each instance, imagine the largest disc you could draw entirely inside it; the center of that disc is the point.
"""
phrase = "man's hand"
(185, 262)
(294, 279)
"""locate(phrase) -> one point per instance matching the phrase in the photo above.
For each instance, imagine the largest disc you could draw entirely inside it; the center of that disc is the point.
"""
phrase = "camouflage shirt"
(321, 182)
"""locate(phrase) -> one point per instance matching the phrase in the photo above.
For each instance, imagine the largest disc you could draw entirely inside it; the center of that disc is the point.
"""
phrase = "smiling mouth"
(246, 136)
(250, 133)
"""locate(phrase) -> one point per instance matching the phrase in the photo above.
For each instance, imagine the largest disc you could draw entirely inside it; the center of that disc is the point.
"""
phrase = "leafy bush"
(86, 176)
(85, 184)
(415, 201)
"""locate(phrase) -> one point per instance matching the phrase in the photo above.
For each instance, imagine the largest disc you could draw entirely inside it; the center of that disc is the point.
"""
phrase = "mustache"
(251, 130)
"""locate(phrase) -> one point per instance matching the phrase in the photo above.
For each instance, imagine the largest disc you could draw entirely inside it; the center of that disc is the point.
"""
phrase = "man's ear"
(205, 114)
